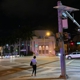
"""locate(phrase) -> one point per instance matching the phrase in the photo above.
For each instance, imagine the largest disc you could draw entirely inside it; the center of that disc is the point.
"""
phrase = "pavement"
(73, 73)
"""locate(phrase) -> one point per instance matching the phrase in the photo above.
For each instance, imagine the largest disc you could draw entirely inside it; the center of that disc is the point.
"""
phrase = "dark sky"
(36, 13)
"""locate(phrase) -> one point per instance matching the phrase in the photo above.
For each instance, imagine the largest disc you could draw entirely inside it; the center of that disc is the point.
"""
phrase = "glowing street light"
(48, 33)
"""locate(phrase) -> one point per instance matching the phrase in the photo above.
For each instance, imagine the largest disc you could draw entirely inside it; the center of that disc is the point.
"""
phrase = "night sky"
(38, 14)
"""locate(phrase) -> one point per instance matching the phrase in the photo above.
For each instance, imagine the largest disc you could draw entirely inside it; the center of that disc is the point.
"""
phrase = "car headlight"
(59, 54)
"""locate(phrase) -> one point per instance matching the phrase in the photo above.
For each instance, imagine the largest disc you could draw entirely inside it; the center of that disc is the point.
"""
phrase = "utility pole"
(63, 9)
(19, 47)
(62, 56)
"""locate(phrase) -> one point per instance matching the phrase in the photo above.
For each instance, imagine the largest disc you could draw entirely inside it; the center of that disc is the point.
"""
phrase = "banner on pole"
(65, 23)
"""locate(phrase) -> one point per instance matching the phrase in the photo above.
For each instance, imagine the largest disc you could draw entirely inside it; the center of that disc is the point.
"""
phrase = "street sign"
(65, 23)
(78, 42)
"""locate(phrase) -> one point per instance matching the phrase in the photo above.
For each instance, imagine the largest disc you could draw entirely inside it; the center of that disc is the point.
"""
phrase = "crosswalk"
(23, 72)
(40, 72)
(45, 71)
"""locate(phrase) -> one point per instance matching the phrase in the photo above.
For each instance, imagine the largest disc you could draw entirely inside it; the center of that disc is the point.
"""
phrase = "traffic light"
(71, 43)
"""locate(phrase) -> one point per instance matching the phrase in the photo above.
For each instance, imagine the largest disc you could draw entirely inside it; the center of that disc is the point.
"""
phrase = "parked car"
(73, 55)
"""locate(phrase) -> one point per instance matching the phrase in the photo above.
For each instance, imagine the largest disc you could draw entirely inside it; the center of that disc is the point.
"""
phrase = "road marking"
(69, 62)
(54, 68)
(41, 71)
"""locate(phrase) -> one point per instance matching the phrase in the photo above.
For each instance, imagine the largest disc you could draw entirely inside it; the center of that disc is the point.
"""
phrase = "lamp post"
(48, 33)
(19, 47)
(1, 52)
(62, 8)
(62, 57)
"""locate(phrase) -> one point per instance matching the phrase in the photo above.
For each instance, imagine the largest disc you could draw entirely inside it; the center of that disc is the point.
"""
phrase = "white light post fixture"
(48, 33)
(62, 8)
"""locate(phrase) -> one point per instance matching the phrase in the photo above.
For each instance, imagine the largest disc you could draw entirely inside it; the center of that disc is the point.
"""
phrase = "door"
(78, 54)
(74, 55)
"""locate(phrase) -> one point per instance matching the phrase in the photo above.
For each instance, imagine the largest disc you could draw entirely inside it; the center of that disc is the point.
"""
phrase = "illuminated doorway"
(43, 49)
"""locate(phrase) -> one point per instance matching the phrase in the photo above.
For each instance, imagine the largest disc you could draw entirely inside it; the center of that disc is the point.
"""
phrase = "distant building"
(43, 44)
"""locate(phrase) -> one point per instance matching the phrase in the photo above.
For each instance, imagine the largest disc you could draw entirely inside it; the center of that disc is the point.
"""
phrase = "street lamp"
(47, 34)
(62, 8)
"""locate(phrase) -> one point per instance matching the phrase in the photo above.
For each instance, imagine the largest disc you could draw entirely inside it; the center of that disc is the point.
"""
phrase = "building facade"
(43, 45)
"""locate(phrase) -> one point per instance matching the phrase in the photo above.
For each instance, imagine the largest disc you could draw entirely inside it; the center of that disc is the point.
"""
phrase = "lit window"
(43, 47)
(47, 47)
(40, 48)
